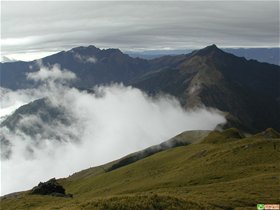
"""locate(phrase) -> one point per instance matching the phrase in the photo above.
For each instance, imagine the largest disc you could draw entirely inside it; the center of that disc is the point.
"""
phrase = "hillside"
(222, 171)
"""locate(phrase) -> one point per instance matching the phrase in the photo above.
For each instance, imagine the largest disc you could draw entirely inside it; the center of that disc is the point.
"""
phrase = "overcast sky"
(33, 29)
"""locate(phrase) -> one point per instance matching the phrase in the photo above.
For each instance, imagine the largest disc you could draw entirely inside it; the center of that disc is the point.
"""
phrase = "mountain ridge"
(269, 55)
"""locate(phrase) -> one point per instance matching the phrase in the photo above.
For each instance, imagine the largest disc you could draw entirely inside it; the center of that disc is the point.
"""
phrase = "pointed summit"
(212, 47)
(208, 50)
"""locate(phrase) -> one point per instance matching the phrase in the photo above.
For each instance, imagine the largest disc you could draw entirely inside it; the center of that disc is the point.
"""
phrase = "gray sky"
(34, 29)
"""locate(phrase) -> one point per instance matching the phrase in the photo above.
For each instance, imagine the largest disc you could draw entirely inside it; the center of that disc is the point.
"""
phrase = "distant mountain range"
(267, 55)
(5, 59)
(246, 90)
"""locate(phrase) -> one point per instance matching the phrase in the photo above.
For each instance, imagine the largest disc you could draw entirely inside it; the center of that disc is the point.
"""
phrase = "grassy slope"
(222, 172)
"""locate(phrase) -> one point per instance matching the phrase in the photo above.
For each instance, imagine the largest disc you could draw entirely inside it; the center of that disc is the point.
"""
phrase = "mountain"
(246, 90)
(223, 170)
(39, 120)
(42, 109)
(268, 55)
(5, 59)
(92, 66)
(211, 77)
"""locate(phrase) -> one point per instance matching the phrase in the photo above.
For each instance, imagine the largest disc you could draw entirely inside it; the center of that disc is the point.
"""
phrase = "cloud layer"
(108, 124)
(57, 25)
(53, 74)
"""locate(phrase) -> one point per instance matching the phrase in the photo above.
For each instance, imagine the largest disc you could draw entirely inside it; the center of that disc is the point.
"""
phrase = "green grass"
(224, 171)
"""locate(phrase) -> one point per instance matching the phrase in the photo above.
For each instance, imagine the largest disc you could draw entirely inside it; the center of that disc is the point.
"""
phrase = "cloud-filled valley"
(83, 128)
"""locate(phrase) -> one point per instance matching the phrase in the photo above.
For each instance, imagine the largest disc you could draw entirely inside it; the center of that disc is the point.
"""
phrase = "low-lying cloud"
(52, 74)
(106, 123)
(85, 59)
(11, 100)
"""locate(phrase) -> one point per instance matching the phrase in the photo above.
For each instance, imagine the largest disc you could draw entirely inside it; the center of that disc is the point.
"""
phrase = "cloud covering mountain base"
(106, 123)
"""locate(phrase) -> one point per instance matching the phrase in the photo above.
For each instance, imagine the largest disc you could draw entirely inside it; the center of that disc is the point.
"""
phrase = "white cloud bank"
(112, 122)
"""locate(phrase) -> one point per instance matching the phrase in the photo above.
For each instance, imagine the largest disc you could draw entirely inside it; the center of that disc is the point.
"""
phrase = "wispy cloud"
(52, 74)
(85, 59)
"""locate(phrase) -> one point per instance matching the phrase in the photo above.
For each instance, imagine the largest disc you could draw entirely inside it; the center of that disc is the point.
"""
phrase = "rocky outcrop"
(51, 187)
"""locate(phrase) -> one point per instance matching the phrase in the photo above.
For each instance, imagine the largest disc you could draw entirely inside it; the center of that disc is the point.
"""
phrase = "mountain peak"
(89, 49)
(212, 47)
(85, 47)
(208, 50)
(113, 50)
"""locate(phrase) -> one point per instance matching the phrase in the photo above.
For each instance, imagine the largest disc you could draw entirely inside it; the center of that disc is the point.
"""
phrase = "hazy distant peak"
(5, 59)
